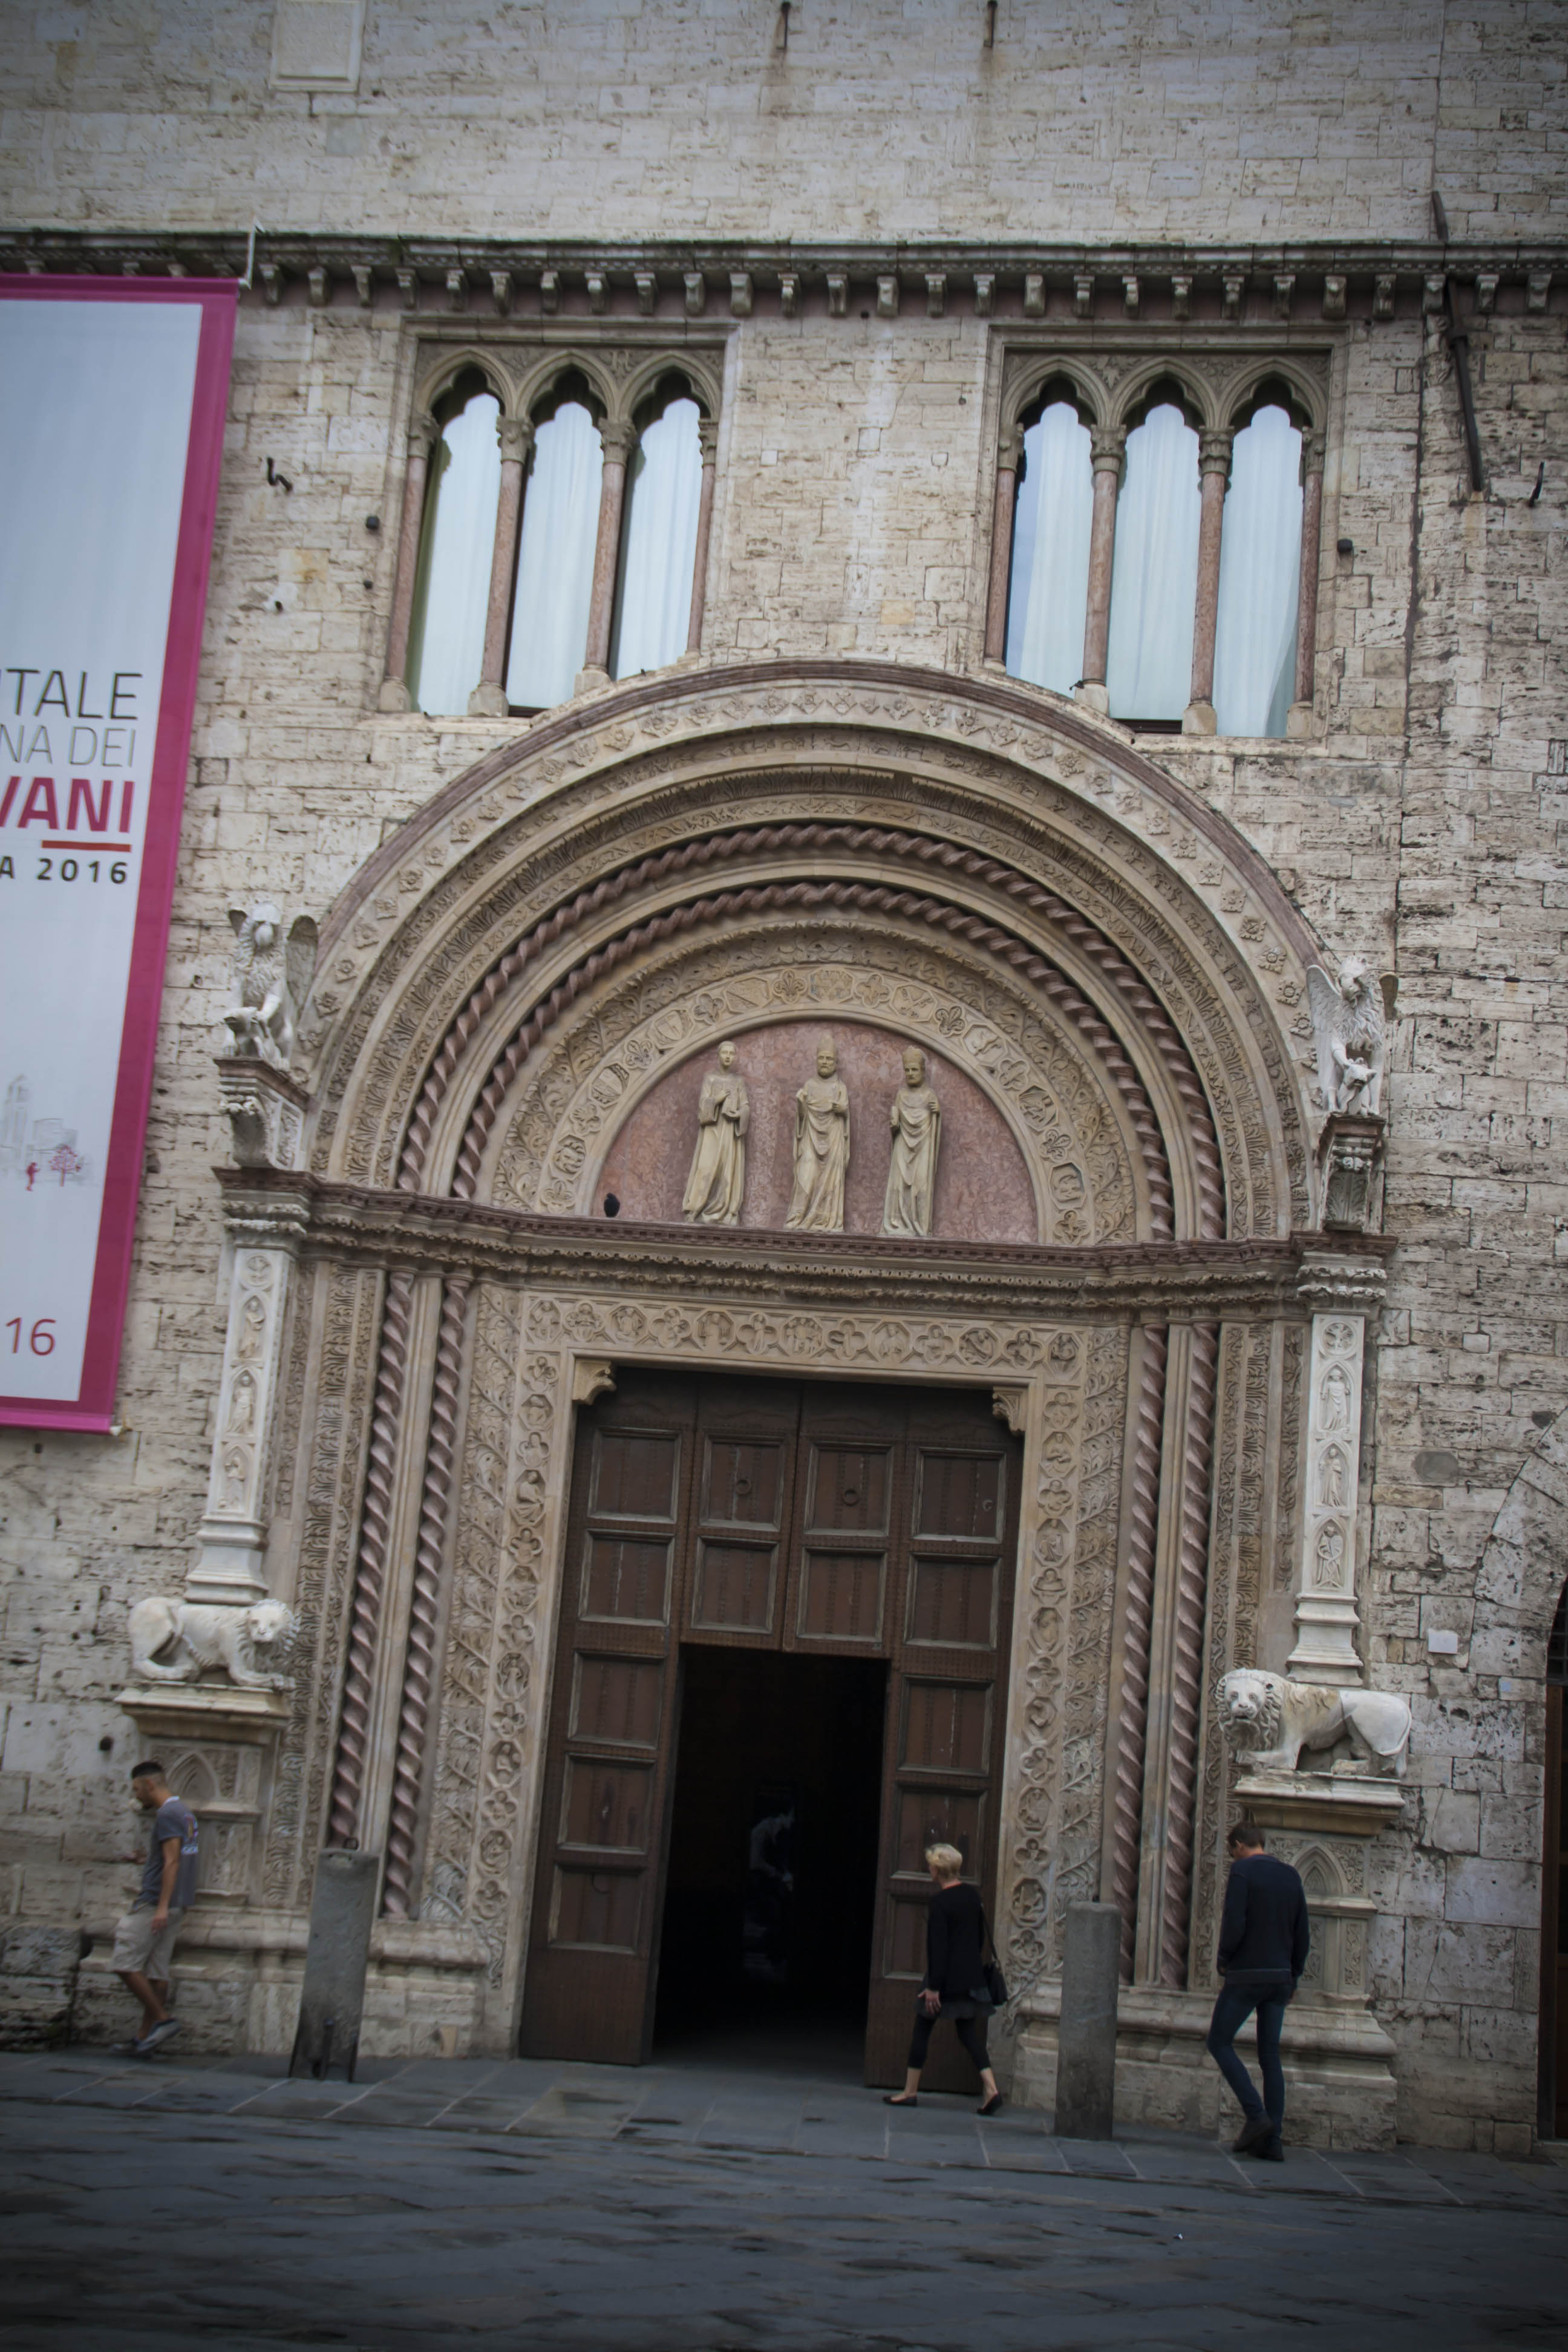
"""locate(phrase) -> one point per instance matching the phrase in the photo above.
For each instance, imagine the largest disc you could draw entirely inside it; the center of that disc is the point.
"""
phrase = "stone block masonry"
(1422, 824)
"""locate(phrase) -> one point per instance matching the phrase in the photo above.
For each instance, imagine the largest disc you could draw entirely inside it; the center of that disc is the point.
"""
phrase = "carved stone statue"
(821, 1149)
(174, 1640)
(916, 1118)
(270, 978)
(1349, 1022)
(717, 1184)
(1268, 1719)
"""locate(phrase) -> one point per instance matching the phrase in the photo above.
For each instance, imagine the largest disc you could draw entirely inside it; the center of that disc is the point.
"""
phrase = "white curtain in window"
(1260, 578)
(555, 561)
(658, 544)
(1154, 577)
(1049, 594)
(452, 588)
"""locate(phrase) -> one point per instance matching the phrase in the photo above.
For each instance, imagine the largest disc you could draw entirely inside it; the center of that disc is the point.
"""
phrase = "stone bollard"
(331, 2002)
(1086, 2046)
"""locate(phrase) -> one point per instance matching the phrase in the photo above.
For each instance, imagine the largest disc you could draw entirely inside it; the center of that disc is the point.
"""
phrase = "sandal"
(900, 2099)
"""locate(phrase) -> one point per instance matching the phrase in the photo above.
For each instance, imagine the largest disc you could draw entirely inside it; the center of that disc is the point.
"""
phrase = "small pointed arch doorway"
(1554, 2046)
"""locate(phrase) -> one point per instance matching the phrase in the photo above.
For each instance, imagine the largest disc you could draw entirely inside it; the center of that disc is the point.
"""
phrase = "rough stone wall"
(1423, 827)
(1276, 120)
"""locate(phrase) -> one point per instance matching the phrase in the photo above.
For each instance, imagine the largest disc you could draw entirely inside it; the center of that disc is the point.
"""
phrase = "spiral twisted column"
(369, 1567)
(1126, 1815)
(1188, 1664)
(806, 838)
(419, 1665)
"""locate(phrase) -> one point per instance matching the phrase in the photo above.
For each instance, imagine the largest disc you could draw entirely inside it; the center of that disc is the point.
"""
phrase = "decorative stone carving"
(916, 1121)
(227, 1568)
(821, 1149)
(264, 1109)
(591, 1378)
(1326, 1615)
(178, 1641)
(716, 1188)
(1010, 1402)
(1269, 1718)
(271, 979)
(1348, 1156)
(1350, 1024)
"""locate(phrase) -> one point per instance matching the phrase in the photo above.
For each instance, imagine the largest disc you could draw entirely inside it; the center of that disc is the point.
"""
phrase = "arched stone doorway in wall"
(519, 1001)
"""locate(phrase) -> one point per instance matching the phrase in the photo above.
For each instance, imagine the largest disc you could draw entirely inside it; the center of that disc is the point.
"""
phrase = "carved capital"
(592, 1376)
(1107, 449)
(266, 1110)
(423, 432)
(515, 435)
(1214, 452)
(617, 441)
(1010, 1404)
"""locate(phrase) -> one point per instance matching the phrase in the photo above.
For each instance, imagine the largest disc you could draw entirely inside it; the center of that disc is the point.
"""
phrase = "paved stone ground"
(165, 2204)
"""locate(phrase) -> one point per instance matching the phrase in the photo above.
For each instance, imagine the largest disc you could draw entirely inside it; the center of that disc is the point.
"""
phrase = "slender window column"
(487, 700)
(1299, 718)
(1002, 546)
(1107, 450)
(1214, 477)
(708, 442)
(616, 441)
(422, 435)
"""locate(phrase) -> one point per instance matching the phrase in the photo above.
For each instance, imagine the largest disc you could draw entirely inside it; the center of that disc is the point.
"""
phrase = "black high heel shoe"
(900, 2099)
(994, 2105)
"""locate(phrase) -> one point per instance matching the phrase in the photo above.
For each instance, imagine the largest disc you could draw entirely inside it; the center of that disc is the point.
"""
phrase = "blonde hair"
(945, 1858)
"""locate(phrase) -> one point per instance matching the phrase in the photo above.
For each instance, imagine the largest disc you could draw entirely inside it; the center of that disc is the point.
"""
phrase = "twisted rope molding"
(370, 1566)
(424, 1628)
(810, 897)
(1187, 1668)
(1127, 1817)
(720, 848)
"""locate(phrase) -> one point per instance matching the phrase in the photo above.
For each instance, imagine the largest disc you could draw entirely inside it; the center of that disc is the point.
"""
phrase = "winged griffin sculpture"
(270, 976)
(1349, 1021)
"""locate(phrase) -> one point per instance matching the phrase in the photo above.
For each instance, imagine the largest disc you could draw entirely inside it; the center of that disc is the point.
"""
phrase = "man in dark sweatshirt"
(1263, 1944)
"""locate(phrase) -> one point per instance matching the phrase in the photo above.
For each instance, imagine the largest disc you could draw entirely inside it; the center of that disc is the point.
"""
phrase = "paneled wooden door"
(839, 1520)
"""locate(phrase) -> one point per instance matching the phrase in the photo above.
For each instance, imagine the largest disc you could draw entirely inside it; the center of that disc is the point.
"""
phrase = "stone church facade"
(1210, 1355)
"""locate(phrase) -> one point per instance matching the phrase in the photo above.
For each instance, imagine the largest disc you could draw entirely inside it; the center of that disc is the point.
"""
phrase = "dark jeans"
(971, 2032)
(1231, 2012)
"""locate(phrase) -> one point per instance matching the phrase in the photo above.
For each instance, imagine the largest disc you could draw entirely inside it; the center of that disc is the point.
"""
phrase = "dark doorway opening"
(764, 1957)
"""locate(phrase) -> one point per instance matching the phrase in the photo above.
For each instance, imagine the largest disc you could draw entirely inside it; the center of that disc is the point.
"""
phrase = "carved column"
(1107, 449)
(233, 1536)
(424, 1630)
(708, 442)
(1175, 1657)
(487, 700)
(423, 432)
(1214, 477)
(616, 441)
(1001, 519)
(1142, 1491)
(1298, 720)
(1326, 1618)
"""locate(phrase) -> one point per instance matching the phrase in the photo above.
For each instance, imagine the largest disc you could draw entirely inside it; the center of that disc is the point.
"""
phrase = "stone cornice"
(1304, 283)
(422, 1234)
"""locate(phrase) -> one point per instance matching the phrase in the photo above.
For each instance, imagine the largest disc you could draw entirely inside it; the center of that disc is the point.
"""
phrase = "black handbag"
(995, 1983)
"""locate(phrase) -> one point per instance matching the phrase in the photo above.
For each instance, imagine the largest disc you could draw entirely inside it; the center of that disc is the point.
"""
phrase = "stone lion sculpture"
(1267, 1720)
(175, 1641)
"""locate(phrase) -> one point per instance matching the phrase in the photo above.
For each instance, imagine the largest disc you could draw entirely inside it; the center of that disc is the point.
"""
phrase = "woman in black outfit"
(955, 1977)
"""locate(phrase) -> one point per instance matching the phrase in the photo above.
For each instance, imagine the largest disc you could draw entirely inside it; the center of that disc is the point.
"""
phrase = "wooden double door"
(803, 1519)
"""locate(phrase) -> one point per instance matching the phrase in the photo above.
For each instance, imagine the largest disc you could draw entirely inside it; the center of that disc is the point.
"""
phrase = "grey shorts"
(137, 1947)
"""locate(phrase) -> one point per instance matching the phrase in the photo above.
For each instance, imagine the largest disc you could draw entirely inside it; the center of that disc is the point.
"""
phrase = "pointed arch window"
(1048, 598)
(542, 549)
(658, 541)
(555, 559)
(1260, 578)
(446, 628)
(1154, 579)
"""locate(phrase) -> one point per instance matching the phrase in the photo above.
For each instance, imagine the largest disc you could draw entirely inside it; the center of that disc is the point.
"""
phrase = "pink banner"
(112, 398)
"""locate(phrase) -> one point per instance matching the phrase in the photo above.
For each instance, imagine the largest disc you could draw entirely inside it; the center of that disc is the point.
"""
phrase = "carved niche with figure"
(717, 1184)
(821, 1149)
(916, 1120)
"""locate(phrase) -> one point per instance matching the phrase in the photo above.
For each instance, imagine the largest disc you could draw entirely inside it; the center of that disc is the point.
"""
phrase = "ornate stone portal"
(557, 938)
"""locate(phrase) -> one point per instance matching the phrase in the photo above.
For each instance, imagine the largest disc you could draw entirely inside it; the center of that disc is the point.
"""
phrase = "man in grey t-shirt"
(144, 1939)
